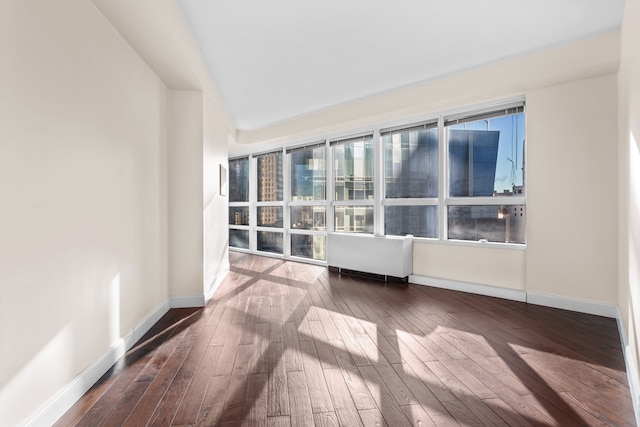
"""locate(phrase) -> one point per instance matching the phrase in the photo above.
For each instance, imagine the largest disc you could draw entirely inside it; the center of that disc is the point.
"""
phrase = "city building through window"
(239, 212)
(486, 176)
(411, 180)
(308, 201)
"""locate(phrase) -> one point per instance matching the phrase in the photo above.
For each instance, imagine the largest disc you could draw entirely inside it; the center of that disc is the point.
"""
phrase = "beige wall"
(572, 190)
(185, 193)
(215, 204)
(83, 185)
(198, 250)
(629, 212)
(492, 266)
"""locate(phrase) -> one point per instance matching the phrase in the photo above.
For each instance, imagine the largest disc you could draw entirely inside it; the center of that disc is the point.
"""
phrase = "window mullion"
(378, 185)
(286, 197)
(253, 197)
(484, 201)
(330, 187)
(443, 179)
(411, 202)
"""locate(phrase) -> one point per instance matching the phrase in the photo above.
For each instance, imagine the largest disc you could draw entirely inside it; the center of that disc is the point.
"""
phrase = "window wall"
(486, 198)
(452, 177)
(411, 180)
(269, 206)
(353, 184)
(239, 212)
(307, 204)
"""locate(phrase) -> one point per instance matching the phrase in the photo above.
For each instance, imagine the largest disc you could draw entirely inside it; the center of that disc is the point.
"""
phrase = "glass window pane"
(308, 217)
(486, 157)
(270, 177)
(239, 215)
(239, 238)
(308, 174)
(411, 164)
(270, 216)
(353, 165)
(420, 221)
(308, 246)
(495, 223)
(353, 219)
(239, 180)
(269, 241)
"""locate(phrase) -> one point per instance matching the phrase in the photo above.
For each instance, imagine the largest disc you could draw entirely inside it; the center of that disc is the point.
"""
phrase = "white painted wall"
(629, 175)
(186, 254)
(215, 204)
(198, 213)
(491, 265)
(83, 196)
(572, 223)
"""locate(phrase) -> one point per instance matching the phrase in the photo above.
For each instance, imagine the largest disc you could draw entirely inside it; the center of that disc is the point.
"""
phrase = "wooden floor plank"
(293, 354)
(187, 413)
(362, 398)
(257, 391)
(326, 419)
(384, 397)
(236, 404)
(353, 347)
(283, 343)
(229, 350)
(318, 390)
(430, 403)
(396, 385)
(418, 416)
(156, 390)
(372, 417)
(345, 407)
(299, 399)
(278, 392)
(474, 407)
(324, 349)
(259, 361)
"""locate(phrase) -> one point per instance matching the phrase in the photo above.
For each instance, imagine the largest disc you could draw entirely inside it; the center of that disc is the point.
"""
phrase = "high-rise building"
(472, 159)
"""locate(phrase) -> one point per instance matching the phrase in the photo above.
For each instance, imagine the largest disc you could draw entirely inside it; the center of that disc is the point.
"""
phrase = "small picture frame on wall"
(223, 180)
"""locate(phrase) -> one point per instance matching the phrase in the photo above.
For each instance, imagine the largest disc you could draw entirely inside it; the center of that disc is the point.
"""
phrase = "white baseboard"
(52, 410)
(213, 287)
(555, 301)
(490, 291)
(573, 304)
(143, 327)
(187, 301)
(632, 369)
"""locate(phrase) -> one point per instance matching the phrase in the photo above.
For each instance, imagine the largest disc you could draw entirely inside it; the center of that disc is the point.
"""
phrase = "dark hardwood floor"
(290, 344)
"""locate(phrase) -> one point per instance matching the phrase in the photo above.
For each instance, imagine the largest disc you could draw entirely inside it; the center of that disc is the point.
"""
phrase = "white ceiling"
(279, 59)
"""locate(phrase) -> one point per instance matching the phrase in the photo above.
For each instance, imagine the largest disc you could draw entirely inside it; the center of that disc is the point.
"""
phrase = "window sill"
(474, 244)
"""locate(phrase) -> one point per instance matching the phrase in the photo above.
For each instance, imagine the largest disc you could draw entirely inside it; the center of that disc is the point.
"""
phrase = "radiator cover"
(380, 255)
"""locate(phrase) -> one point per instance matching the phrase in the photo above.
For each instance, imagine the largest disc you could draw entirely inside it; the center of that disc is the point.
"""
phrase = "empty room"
(319, 213)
